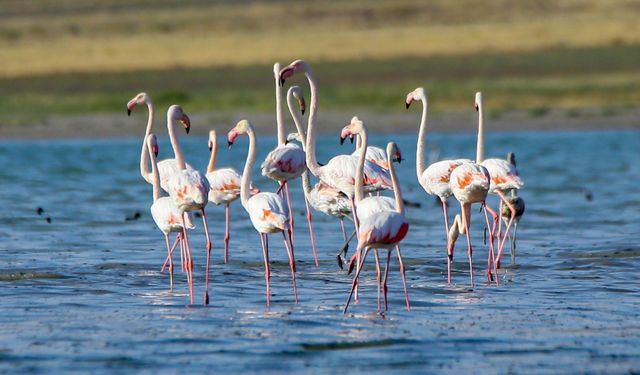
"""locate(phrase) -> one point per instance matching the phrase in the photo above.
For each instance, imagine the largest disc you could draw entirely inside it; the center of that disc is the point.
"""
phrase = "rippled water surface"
(84, 293)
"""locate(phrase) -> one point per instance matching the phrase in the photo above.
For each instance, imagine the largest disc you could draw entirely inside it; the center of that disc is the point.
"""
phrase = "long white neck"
(144, 165)
(422, 135)
(214, 153)
(396, 185)
(480, 146)
(282, 137)
(177, 151)
(358, 189)
(312, 163)
(248, 166)
(155, 176)
(297, 120)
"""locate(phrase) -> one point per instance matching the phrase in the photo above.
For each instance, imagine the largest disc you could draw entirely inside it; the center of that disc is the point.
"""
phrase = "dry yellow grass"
(203, 35)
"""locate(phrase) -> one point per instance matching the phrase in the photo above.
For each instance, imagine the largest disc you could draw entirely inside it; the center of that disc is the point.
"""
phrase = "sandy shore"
(119, 125)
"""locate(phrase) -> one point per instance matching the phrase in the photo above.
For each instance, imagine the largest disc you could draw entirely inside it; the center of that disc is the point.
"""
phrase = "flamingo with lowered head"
(518, 204)
(189, 188)
(434, 179)
(266, 210)
(164, 211)
(381, 226)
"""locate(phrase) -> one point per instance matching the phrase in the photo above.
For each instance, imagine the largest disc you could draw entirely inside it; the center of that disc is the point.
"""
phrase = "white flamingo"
(266, 210)
(224, 187)
(287, 161)
(189, 188)
(339, 172)
(381, 226)
(518, 204)
(434, 179)
(164, 211)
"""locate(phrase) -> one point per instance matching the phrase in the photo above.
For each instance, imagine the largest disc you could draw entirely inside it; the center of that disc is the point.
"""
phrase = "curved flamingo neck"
(421, 165)
(248, 166)
(480, 145)
(177, 151)
(358, 189)
(282, 137)
(214, 152)
(312, 163)
(144, 165)
(297, 120)
(155, 175)
(395, 183)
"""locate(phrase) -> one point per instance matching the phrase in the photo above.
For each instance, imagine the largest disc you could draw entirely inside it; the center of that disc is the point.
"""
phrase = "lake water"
(84, 293)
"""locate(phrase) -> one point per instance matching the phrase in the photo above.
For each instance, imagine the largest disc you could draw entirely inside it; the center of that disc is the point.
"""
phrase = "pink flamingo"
(166, 214)
(518, 204)
(504, 178)
(434, 178)
(266, 210)
(287, 161)
(374, 154)
(381, 226)
(189, 188)
(339, 172)
(225, 187)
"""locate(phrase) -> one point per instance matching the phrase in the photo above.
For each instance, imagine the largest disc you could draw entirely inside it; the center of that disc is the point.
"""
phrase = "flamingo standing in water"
(504, 178)
(434, 179)
(287, 161)
(382, 225)
(166, 214)
(224, 187)
(518, 204)
(266, 210)
(189, 188)
(339, 172)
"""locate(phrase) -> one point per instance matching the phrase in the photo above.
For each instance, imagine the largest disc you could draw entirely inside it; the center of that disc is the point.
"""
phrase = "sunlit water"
(84, 293)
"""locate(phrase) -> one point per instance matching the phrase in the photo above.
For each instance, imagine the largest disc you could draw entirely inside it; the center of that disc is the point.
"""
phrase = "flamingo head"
(356, 126)
(417, 94)
(152, 143)
(511, 158)
(478, 100)
(294, 137)
(296, 92)
(141, 98)
(212, 139)
(394, 152)
(176, 113)
(293, 68)
(242, 127)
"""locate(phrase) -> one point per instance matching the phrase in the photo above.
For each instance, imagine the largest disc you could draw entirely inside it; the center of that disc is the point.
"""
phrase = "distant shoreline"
(119, 125)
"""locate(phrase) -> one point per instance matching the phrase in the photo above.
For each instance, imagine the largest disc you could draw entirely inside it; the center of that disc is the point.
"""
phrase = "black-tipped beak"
(229, 144)
(281, 82)
(341, 140)
(477, 108)
(303, 110)
(408, 105)
(351, 139)
(155, 153)
(187, 129)
(128, 112)
(210, 148)
(400, 160)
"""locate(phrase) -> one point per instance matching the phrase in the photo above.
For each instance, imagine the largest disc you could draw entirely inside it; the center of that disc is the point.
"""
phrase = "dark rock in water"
(136, 215)
(197, 215)
(413, 204)
(588, 195)
(40, 210)
(48, 219)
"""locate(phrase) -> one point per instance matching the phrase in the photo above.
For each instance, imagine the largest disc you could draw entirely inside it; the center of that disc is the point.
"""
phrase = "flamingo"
(166, 167)
(517, 203)
(224, 187)
(189, 188)
(166, 214)
(287, 161)
(434, 179)
(504, 178)
(374, 154)
(339, 172)
(381, 226)
(266, 210)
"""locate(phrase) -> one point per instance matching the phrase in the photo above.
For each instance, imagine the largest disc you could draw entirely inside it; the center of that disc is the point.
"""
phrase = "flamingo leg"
(378, 274)
(445, 213)
(189, 260)
(170, 254)
(404, 278)
(166, 240)
(355, 278)
(311, 234)
(227, 234)
(344, 231)
(491, 257)
(343, 253)
(267, 271)
(206, 231)
(292, 264)
(384, 281)
(291, 221)
(513, 215)
(466, 218)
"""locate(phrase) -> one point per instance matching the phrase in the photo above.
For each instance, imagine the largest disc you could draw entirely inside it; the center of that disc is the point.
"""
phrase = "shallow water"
(83, 293)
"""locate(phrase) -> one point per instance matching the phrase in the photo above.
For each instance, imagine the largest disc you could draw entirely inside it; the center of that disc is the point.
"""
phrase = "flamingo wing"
(383, 230)
(224, 185)
(284, 163)
(504, 175)
(267, 213)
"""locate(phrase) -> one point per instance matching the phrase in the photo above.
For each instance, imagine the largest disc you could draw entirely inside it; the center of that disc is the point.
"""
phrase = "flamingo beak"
(351, 138)
(341, 141)
(408, 104)
(210, 147)
(303, 105)
(186, 123)
(130, 106)
(231, 137)
(344, 134)
(284, 74)
(477, 107)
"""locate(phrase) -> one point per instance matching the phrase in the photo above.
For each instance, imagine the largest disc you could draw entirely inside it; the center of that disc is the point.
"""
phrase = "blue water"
(84, 293)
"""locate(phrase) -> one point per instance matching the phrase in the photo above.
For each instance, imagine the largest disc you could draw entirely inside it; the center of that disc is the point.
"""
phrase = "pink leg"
(466, 217)
(404, 278)
(491, 239)
(292, 264)
(169, 250)
(169, 258)
(311, 234)
(206, 231)
(189, 260)
(344, 231)
(384, 281)
(378, 273)
(513, 215)
(445, 213)
(291, 221)
(355, 278)
(227, 235)
(267, 270)
(357, 254)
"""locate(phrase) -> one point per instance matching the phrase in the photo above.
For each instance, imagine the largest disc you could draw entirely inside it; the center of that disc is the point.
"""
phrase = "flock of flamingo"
(349, 187)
